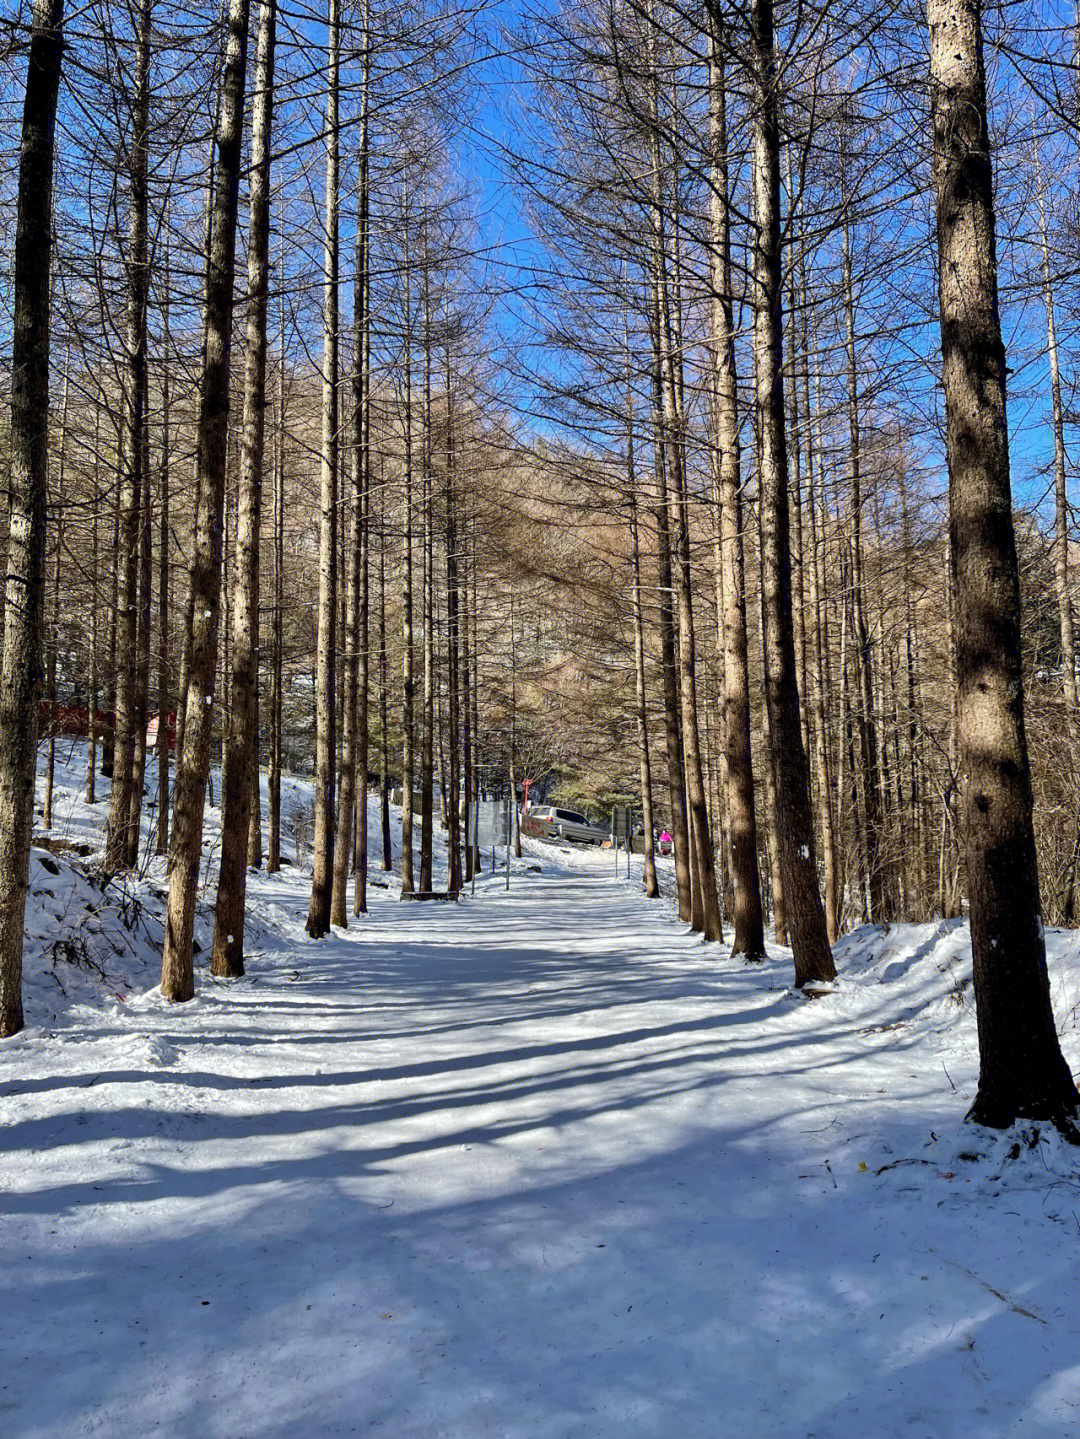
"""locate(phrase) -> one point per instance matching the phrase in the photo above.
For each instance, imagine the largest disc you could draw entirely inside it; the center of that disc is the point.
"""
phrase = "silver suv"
(554, 823)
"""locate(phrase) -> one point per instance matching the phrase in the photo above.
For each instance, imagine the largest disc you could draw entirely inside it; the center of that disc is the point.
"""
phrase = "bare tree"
(1022, 1073)
(749, 937)
(123, 838)
(805, 916)
(318, 921)
(236, 790)
(177, 971)
(20, 669)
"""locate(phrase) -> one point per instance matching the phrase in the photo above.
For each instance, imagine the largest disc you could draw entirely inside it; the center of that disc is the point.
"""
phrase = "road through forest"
(536, 1164)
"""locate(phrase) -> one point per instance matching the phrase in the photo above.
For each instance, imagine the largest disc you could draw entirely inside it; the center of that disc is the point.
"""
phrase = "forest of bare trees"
(614, 396)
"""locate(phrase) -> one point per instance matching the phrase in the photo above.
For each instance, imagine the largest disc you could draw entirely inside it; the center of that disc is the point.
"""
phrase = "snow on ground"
(536, 1164)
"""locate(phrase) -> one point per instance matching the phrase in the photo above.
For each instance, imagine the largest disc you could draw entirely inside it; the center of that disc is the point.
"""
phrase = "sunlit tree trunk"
(108, 739)
(465, 689)
(227, 958)
(408, 707)
(277, 639)
(472, 605)
(177, 972)
(52, 643)
(162, 742)
(1061, 497)
(20, 669)
(142, 646)
(322, 854)
(818, 673)
(648, 822)
(95, 638)
(862, 651)
(806, 918)
(427, 718)
(132, 459)
(451, 794)
(362, 403)
(1022, 1071)
(349, 815)
(384, 681)
(768, 773)
(680, 829)
(749, 937)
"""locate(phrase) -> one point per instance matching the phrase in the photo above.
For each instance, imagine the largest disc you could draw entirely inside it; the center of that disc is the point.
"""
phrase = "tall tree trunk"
(322, 855)
(94, 666)
(680, 828)
(108, 740)
(681, 818)
(142, 647)
(818, 668)
(749, 938)
(704, 902)
(427, 724)
(1022, 1072)
(362, 402)
(818, 673)
(189, 599)
(352, 819)
(20, 670)
(360, 858)
(806, 918)
(254, 834)
(163, 578)
(863, 652)
(451, 797)
(52, 643)
(384, 698)
(177, 972)
(951, 842)
(408, 671)
(346, 813)
(132, 459)
(648, 822)
(227, 958)
(473, 620)
(704, 872)
(184, 682)
(1061, 498)
(465, 687)
(277, 643)
(917, 784)
(228, 559)
(772, 810)
(795, 487)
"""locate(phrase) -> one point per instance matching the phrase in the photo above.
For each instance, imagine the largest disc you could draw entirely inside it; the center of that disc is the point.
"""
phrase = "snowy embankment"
(95, 940)
(536, 1164)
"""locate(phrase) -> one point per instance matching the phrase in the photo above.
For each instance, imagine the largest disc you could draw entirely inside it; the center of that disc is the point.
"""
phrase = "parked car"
(552, 823)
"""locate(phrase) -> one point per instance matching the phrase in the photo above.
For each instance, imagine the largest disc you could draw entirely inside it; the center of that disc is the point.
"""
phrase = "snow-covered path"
(538, 1164)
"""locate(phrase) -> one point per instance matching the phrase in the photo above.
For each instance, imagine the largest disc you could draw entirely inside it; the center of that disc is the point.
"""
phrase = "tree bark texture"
(749, 937)
(119, 842)
(805, 916)
(177, 972)
(322, 855)
(24, 581)
(1022, 1071)
(227, 958)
